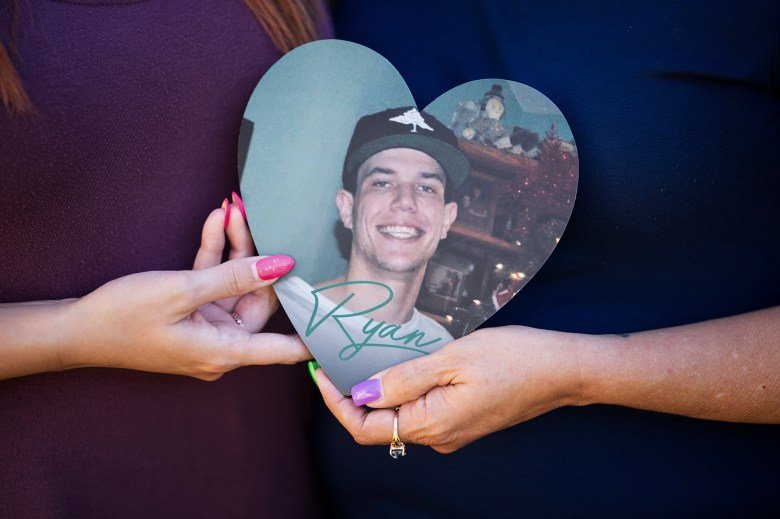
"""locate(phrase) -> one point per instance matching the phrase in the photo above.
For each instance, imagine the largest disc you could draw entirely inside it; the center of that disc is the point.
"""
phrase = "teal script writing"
(372, 330)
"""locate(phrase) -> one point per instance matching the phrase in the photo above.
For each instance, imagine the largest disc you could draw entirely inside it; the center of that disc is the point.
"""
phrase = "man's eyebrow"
(436, 176)
(377, 169)
(387, 171)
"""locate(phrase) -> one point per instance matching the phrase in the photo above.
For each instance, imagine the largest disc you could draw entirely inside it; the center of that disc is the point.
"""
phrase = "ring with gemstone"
(238, 320)
(397, 447)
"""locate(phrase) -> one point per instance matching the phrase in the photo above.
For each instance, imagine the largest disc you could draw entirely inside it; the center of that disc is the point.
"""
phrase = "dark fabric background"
(134, 143)
(676, 114)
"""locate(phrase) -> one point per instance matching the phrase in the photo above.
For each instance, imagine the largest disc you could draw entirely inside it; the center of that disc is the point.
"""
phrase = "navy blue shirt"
(675, 108)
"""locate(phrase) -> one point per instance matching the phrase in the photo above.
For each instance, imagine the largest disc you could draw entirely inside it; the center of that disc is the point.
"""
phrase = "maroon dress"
(134, 142)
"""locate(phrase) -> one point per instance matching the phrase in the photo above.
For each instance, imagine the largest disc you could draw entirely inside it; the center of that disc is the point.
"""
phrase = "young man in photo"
(400, 171)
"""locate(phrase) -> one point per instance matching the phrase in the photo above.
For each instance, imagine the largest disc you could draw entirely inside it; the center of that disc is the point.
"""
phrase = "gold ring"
(397, 447)
(238, 320)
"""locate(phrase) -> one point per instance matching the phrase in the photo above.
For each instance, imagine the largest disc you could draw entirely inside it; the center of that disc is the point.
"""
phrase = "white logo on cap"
(412, 117)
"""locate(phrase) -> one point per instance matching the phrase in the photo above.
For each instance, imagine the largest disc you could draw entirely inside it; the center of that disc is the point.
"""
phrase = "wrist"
(579, 359)
(33, 335)
(602, 370)
(72, 345)
(565, 359)
(588, 356)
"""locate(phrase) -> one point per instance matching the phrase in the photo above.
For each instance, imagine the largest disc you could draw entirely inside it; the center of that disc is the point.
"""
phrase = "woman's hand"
(722, 369)
(487, 381)
(255, 308)
(166, 322)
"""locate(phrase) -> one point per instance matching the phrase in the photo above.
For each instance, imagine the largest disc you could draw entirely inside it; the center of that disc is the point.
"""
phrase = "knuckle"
(232, 283)
(444, 449)
(433, 432)
(416, 425)
(292, 354)
(214, 366)
(449, 364)
(429, 437)
(448, 436)
(208, 375)
(209, 378)
(358, 433)
(207, 371)
(444, 371)
(359, 437)
(444, 438)
(295, 353)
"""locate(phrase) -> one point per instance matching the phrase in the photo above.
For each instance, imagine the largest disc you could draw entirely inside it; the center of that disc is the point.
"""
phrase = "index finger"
(375, 427)
(236, 278)
(366, 427)
(212, 241)
(241, 244)
(410, 380)
(273, 348)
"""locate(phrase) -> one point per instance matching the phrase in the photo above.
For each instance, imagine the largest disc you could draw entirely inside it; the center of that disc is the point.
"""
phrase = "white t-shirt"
(349, 346)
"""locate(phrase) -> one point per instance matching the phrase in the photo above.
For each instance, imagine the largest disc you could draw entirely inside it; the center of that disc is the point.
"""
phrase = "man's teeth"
(399, 231)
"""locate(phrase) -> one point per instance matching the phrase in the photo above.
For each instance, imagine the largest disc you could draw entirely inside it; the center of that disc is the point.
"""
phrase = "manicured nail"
(226, 207)
(313, 366)
(366, 392)
(240, 204)
(272, 267)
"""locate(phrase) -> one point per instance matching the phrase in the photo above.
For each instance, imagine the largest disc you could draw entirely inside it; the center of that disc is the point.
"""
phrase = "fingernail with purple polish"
(367, 391)
(272, 267)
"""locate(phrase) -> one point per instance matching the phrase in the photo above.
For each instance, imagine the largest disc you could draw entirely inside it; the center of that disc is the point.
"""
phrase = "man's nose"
(404, 199)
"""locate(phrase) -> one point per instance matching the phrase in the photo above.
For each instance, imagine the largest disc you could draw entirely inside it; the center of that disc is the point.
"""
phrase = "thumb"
(238, 277)
(273, 348)
(403, 382)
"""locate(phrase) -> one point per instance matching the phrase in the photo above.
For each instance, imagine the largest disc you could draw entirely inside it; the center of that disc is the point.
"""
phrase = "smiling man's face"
(398, 213)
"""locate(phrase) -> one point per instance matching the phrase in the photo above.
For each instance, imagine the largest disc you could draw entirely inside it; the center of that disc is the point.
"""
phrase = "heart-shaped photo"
(409, 227)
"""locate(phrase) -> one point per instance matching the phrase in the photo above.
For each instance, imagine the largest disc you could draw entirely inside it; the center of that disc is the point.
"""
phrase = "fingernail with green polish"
(313, 366)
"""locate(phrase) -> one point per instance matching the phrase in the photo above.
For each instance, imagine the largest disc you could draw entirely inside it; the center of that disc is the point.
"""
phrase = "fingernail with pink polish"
(272, 267)
(366, 392)
(226, 208)
(240, 204)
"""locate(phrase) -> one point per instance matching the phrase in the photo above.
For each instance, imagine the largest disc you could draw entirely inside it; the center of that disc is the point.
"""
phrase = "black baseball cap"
(405, 127)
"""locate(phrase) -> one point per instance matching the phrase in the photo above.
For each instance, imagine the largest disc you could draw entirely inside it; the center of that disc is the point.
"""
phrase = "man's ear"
(344, 200)
(450, 213)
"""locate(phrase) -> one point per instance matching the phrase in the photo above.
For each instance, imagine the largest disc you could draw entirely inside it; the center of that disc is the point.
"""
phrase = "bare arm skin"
(724, 369)
(31, 335)
(166, 322)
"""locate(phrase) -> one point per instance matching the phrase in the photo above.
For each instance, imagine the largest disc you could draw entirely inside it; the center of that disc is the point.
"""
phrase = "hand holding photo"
(409, 227)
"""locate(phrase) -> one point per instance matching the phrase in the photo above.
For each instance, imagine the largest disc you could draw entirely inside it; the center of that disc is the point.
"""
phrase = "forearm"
(725, 369)
(32, 335)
